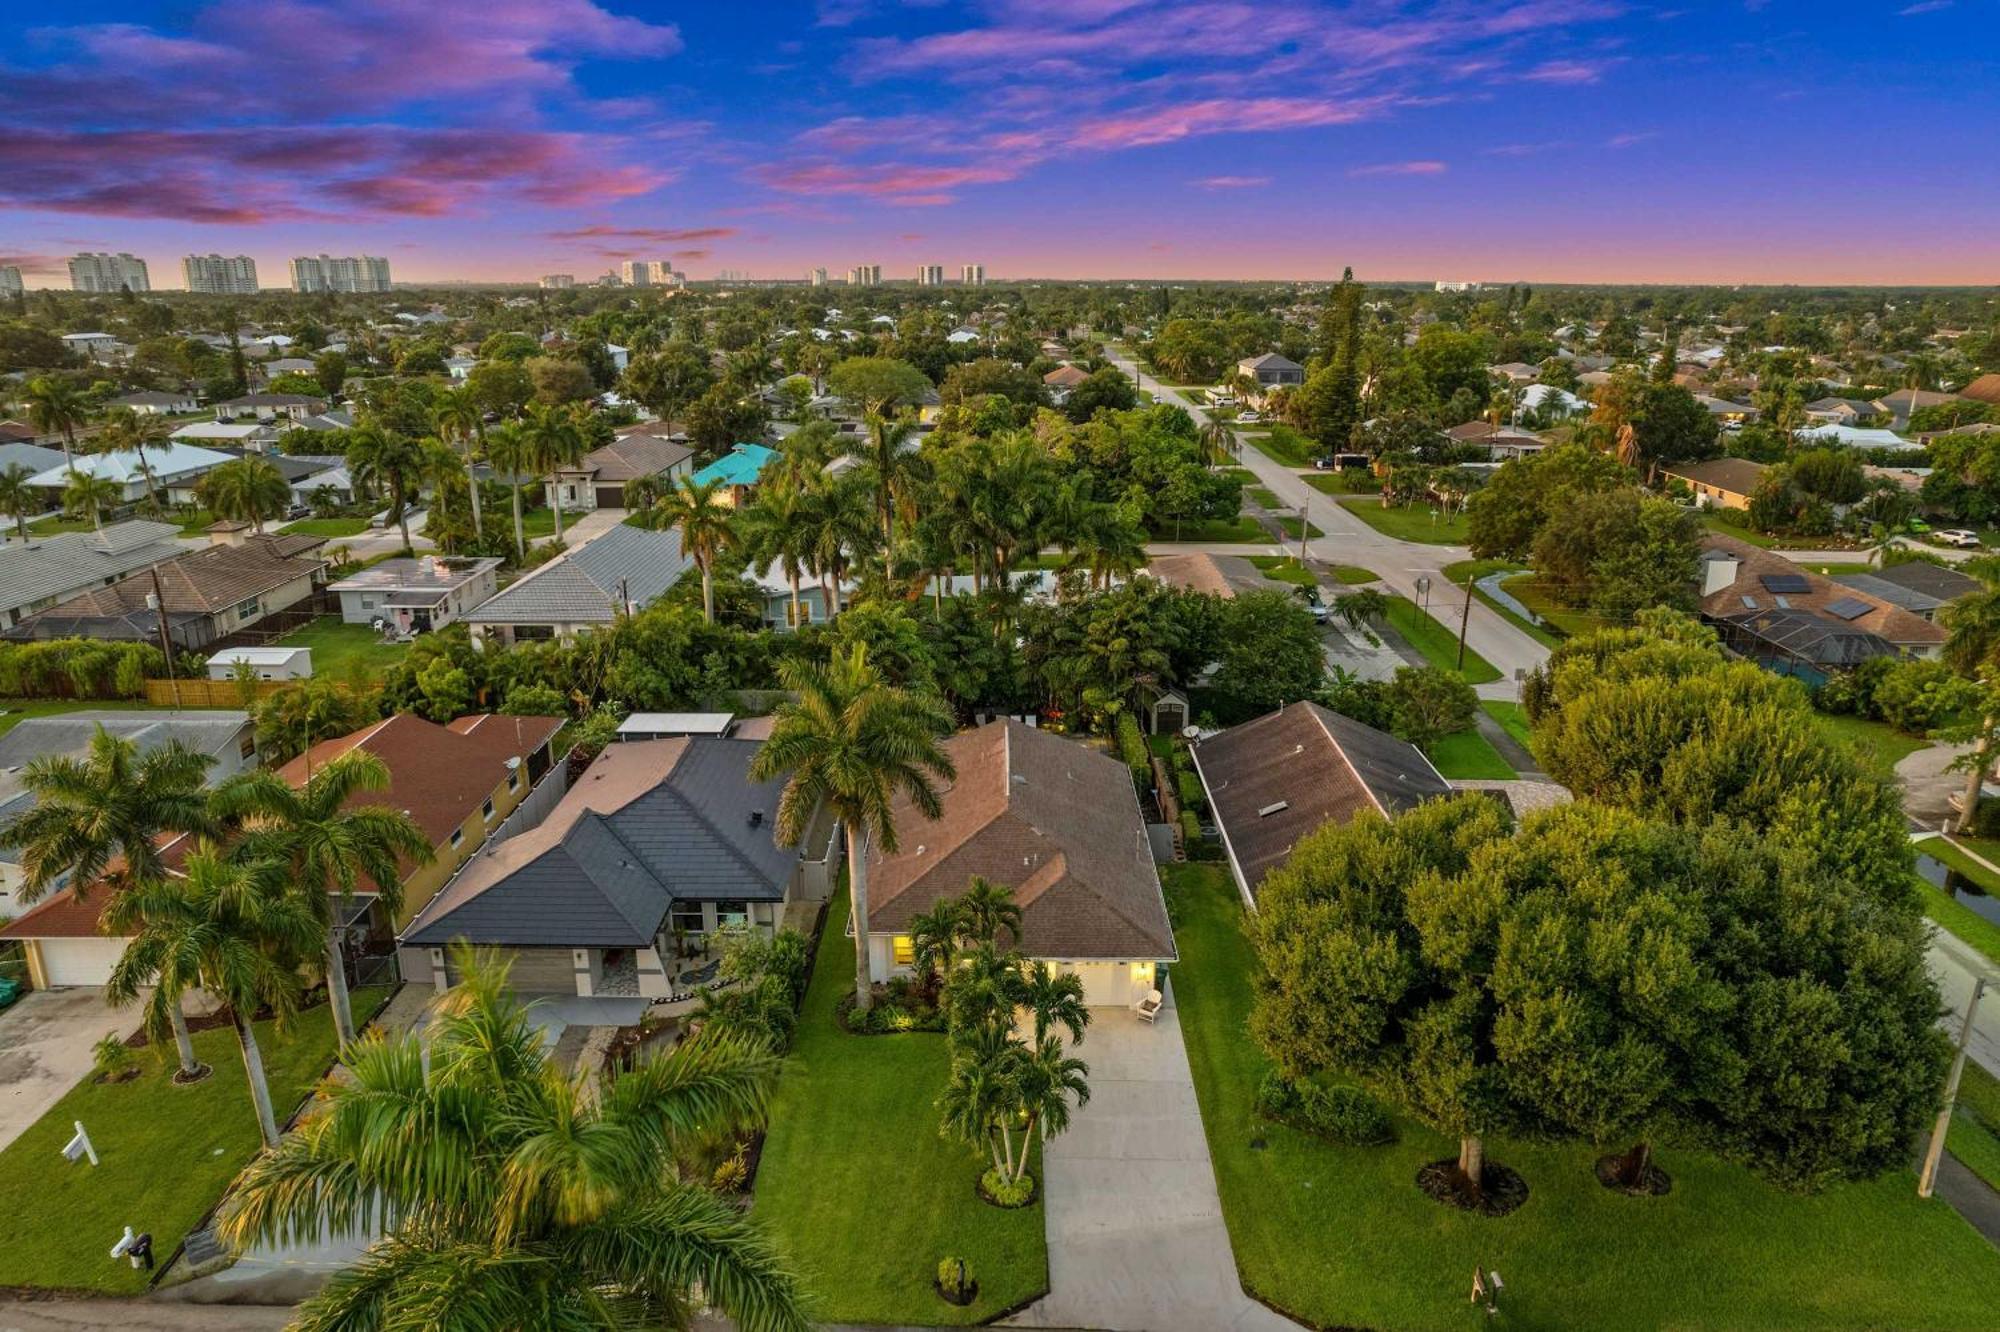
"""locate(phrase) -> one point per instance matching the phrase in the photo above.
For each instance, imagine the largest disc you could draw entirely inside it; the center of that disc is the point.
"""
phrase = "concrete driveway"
(1135, 1229)
(45, 1042)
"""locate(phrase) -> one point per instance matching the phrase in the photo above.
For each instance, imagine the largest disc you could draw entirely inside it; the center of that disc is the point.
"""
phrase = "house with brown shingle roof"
(1057, 822)
(1986, 388)
(207, 594)
(1720, 483)
(599, 479)
(1796, 622)
(1274, 779)
(458, 782)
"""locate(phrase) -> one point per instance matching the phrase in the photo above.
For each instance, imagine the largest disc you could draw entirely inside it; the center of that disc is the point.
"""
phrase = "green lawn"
(1410, 522)
(1290, 527)
(1513, 719)
(1877, 744)
(338, 648)
(1469, 756)
(165, 1154)
(1460, 570)
(1438, 644)
(1239, 528)
(1714, 522)
(1285, 569)
(1343, 483)
(1527, 589)
(1977, 931)
(328, 527)
(856, 1186)
(1340, 1236)
(1264, 498)
(1282, 444)
(1354, 575)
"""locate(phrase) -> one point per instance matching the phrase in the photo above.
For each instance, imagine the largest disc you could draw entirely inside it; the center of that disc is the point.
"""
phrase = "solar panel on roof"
(1849, 608)
(1784, 582)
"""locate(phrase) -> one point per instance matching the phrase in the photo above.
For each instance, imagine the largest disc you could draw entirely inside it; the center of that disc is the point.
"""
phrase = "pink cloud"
(1230, 182)
(906, 183)
(1565, 71)
(1423, 168)
(665, 235)
(1165, 124)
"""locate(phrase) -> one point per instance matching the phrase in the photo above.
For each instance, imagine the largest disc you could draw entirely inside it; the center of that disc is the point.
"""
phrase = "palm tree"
(374, 452)
(56, 406)
(978, 1103)
(774, 532)
(251, 489)
(508, 447)
(329, 846)
(1045, 1079)
(1973, 650)
(17, 498)
(87, 494)
(554, 442)
(103, 819)
(510, 1195)
(934, 937)
(853, 744)
(1052, 998)
(836, 525)
(459, 416)
(228, 928)
(126, 431)
(697, 510)
(442, 470)
(986, 909)
(886, 437)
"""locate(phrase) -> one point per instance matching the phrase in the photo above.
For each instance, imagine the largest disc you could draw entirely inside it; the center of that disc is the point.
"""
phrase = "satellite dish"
(1190, 732)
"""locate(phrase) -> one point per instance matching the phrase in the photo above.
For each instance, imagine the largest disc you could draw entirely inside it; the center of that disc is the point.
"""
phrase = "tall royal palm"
(774, 532)
(101, 821)
(507, 1194)
(853, 744)
(251, 489)
(554, 442)
(227, 927)
(1973, 650)
(331, 847)
(695, 509)
(126, 431)
(460, 418)
(87, 495)
(18, 499)
(377, 453)
(57, 407)
(507, 445)
(888, 444)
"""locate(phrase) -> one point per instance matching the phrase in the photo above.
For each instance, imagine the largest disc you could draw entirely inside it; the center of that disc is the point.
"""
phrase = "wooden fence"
(202, 693)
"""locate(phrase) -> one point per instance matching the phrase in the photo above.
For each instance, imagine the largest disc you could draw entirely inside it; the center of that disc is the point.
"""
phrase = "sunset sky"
(1543, 140)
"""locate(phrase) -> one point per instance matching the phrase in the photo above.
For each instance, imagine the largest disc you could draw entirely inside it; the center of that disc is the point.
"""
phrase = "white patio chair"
(1148, 1008)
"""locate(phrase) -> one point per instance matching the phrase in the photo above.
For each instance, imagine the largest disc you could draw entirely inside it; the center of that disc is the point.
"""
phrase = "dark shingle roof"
(1273, 780)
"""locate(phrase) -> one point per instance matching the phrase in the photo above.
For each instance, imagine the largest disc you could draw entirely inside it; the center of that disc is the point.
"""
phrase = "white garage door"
(1105, 984)
(80, 961)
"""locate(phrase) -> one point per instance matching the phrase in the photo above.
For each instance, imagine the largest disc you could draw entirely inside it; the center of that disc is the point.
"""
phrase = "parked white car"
(1957, 536)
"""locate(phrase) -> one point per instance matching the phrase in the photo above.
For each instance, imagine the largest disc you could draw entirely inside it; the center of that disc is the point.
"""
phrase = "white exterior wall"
(1106, 984)
(79, 961)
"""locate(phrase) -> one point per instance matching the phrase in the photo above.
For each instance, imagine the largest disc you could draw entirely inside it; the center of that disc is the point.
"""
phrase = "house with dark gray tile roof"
(49, 569)
(659, 844)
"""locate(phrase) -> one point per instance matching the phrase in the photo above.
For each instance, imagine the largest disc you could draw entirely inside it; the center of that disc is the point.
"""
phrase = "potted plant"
(956, 1283)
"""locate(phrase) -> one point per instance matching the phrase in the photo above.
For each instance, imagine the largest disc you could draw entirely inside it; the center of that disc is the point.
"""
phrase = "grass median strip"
(1410, 522)
(1438, 644)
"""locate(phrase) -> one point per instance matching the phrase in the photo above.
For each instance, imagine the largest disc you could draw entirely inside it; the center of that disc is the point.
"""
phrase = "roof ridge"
(701, 820)
(592, 818)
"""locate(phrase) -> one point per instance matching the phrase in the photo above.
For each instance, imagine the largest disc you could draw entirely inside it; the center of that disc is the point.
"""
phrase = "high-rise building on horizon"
(817, 277)
(10, 281)
(973, 275)
(220, 275)
(650, 273)
(930, 275)
(98, 271)
(345, 274)
(865, 275)
(558, 281)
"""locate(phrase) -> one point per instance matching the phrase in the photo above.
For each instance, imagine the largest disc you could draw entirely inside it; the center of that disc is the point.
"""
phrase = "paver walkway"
(1135, 1230)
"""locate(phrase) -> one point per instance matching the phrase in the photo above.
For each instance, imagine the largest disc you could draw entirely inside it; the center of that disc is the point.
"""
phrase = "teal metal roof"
(738, 467)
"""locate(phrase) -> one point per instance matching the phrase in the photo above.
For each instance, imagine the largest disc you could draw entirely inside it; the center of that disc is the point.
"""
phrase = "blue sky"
(1550, 140)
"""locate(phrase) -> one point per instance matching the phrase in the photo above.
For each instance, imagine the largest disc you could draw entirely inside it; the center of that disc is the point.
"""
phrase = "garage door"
(611, 497)
(80, 961)
(1105, 984)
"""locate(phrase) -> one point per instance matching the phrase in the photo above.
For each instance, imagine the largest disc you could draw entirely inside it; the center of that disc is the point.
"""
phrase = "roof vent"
(1278, 807)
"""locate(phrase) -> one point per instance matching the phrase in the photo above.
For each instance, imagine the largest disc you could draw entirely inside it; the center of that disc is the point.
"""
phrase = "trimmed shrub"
(1190, 827)
(1003, 1192)
(1188, 787)
(955, 1279)
(1132, 748)
(1344, 1115)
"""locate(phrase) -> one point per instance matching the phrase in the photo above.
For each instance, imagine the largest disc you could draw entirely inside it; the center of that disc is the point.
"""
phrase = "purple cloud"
(1423, 168)
(1230, 182)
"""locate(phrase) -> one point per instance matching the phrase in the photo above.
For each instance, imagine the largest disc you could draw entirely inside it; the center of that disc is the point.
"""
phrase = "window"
(687, 917)
(457, 836)
(247, 746)
(367, 603)
(906, 951)
(732, 913)
(248, 610)
(486, 810)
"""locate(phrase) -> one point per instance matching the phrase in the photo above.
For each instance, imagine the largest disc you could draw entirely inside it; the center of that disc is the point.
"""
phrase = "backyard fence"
(205, 693)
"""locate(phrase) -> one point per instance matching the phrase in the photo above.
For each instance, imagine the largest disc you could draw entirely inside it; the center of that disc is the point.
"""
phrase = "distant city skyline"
(1749, 141)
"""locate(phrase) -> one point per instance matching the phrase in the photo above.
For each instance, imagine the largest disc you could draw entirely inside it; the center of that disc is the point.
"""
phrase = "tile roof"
(203, 581)
(1051, 818)
(1986, 388)
(57, 566)
(1065, 376)
(651, 822)
(1747, 598)
(1275, 779)
(632, 456)
(581, 587)
(438, 775)
(169, 460)
(1269, 361)
(741, 466)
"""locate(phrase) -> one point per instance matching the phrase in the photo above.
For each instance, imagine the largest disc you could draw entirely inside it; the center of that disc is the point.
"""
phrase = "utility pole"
(1464, 621)
(1304, 527)
(1928, 1179)
(159, 600)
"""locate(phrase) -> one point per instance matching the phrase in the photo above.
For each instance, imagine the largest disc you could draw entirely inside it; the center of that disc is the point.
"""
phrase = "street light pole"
(1464, 621)
(1928, 1179)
